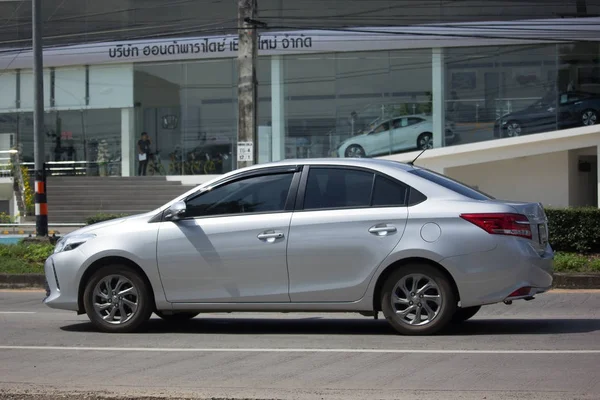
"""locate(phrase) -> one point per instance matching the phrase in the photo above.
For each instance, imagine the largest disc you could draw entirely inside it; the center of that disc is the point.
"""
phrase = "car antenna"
(413, 161)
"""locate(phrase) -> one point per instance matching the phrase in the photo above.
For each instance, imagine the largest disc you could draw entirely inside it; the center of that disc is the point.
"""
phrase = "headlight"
(72, 242)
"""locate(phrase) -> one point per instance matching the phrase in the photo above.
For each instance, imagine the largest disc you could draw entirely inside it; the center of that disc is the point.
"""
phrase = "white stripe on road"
(17, 312)
(283, 350)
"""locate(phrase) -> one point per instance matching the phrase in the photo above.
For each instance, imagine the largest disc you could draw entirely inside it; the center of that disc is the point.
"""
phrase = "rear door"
(347, 221)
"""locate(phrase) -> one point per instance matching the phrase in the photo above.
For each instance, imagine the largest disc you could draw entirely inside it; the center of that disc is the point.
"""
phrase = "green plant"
(6, 219)
(29, 198)
(24, 258)
(103, 217)
(574, 229)
(572, 262)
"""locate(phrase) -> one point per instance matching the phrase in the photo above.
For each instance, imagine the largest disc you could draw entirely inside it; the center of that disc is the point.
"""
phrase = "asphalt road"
(548, 349)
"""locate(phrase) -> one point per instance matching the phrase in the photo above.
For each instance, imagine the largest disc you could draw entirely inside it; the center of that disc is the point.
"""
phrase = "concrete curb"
(576, 281)
(561, 281)
(22, 281)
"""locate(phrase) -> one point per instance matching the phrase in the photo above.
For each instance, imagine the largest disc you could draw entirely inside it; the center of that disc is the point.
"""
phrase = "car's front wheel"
(117, 299)
(463, 314)
(513, 129)
(418, 300)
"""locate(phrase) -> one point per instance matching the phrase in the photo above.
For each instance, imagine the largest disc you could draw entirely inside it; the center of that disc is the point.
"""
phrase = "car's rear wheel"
(513, 129)
(589, 117)
(355, 151)
(176, 317)
(425, 141)
(418, 299)
(463, 314)
(117, 299)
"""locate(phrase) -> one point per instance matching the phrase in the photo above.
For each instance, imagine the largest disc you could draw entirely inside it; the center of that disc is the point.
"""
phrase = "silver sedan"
(330, 235)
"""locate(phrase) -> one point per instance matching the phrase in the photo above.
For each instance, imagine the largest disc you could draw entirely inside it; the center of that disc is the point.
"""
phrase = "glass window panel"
(337, 188)
(388, 192)
(252, 195)
(69, 87)
(111, 86)
(8, 90)
(502, 91)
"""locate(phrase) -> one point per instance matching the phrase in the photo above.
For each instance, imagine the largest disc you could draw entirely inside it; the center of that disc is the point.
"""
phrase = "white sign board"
(245, 151)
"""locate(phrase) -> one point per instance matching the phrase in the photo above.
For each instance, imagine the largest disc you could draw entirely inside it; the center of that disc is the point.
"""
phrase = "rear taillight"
(501, 223)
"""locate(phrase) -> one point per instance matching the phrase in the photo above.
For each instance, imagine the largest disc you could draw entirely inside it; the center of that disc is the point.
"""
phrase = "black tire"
(355, 151)
(589, 117)
(176, 317)
(463, 314)
(425, 141)
(143, 299)
(513, 129)
(442, 314)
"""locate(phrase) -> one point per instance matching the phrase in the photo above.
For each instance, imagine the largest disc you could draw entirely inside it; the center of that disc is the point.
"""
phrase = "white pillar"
(277, 109)
(438, 88)
(128, 147)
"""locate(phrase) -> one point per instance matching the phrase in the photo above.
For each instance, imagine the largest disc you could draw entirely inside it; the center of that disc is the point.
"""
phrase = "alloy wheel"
(425, 142)
(355, 152)
(589, 117)
(416, 299)
(115, 299)
(513, 129)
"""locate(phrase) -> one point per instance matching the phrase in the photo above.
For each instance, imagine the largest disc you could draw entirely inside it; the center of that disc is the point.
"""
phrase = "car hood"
(98, 227)
(515, 114)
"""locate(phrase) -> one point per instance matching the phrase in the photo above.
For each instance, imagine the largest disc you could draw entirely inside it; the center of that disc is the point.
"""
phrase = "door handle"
(382, 230)
(270, 236)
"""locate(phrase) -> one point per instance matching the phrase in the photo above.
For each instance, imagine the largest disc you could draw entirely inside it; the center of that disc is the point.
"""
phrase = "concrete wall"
(583, 185)
(543, 178)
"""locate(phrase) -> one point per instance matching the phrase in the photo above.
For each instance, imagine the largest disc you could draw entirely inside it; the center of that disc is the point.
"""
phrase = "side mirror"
(176, 211)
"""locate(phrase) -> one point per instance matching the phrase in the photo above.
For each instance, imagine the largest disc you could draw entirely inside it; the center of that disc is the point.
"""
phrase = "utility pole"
(41, 206)
(247, 98)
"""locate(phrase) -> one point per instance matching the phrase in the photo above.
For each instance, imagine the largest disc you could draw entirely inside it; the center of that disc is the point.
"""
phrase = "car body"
(394, 135)
(321, 235)
(574, 109)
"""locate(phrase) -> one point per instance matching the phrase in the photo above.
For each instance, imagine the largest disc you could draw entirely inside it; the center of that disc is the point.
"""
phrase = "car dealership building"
(516, 89)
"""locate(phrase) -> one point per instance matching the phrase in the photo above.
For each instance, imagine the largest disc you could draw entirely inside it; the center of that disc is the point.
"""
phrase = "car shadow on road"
(337, 326)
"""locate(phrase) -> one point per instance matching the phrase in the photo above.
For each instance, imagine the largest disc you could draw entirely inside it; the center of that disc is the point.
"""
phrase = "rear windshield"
(451, 184)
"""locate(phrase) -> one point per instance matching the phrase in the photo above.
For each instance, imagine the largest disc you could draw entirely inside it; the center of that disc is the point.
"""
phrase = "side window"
(337, 188)
(414, 121)
(387, 192)
(382, 128)
(266, 193)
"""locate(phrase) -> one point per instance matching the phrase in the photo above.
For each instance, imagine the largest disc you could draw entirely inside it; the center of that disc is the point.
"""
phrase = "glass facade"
(498, 92)
(189, 110)
(345, 104)
(76, 142)
(333, 101)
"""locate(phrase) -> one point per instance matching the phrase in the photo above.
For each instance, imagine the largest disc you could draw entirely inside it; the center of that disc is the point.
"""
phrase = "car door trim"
(289, 203)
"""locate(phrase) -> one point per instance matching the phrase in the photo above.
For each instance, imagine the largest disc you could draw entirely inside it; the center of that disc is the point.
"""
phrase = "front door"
(231, 246)
(349, 222)
(379, 140)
